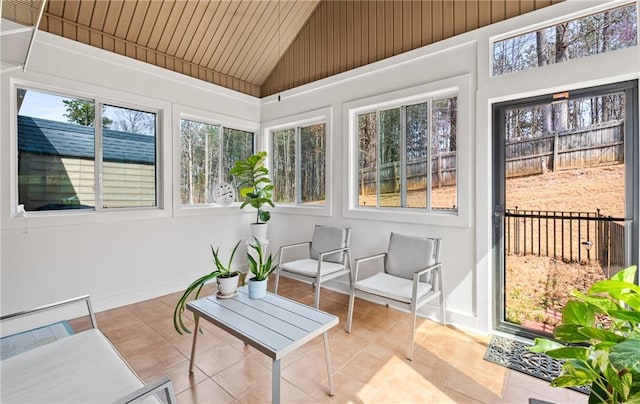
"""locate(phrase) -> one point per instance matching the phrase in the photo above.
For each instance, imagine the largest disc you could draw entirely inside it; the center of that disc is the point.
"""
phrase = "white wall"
(467, 250)
(121, 256)
(129, 257)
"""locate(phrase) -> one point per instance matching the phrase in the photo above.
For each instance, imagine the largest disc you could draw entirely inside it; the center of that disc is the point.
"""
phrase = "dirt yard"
(538, 287)
(584, 189)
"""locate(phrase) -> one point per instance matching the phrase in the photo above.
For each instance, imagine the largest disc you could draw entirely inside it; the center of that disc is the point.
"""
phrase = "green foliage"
(83, 112)
(606, 358)
(255, 185)
(260, 268)
(221, 271)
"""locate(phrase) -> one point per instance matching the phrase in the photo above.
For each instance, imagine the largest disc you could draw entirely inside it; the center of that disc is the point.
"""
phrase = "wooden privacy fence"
(569, 236)
(592, 146)
(443, 172)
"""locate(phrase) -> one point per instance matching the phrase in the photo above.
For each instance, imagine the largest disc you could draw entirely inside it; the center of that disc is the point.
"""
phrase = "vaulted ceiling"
(261, 47)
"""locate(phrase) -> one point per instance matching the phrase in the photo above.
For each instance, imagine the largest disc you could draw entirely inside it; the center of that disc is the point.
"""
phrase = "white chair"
(328, 256)
(411, 277)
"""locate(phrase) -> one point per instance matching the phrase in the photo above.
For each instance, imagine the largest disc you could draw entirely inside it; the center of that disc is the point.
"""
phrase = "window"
(602, 32)
(208, 152)
(66, 162)
(407, 156)
(298, 164)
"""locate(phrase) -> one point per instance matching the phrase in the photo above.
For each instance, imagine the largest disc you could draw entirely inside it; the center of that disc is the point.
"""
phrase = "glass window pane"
(367, 159)
(312, 167)
(417, 154)
(199, 161)
(56, 152)
(284, 166)
(128, 157)
(443, 154)
(236, 145)
(602, 32)
(389, 173)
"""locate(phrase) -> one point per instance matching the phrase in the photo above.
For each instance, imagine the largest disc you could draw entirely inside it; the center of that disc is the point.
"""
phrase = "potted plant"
(605, 357)
(226, 278)
(256, 188)
(261, 268)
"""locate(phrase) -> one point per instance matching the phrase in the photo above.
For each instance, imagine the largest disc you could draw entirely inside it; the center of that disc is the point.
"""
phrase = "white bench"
(80, 368)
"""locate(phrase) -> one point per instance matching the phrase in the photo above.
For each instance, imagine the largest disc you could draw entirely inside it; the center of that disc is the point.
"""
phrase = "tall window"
(407, 156)
(602, 32)
(66, 162)
(208, 152)
(299, 164)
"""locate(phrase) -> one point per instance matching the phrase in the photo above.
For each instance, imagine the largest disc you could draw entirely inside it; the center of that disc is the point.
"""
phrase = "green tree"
(82, 112)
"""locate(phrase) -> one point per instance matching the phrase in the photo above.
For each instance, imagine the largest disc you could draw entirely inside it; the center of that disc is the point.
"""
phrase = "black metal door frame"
(632, 174)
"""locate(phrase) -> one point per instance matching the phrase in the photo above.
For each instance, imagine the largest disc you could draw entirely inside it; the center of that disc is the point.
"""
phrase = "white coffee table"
(274, 325)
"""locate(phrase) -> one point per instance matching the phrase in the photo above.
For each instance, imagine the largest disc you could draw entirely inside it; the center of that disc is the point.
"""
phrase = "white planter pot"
(257, 289)
(259, 231)
(227, 286)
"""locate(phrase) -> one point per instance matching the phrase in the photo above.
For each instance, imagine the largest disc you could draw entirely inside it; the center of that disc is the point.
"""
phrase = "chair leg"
(442, 309)
(413, 333)
(352, 298)
(317, 301)
(275, 287)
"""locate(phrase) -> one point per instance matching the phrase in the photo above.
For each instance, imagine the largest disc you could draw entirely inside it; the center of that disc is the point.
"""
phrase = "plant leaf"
(626, 275)
(613, 287)
(543, 345)
(597, 303)
(600, 335)
(569, 353)
(569, 333)
(576, 312)
(626, 355)
(632, 316)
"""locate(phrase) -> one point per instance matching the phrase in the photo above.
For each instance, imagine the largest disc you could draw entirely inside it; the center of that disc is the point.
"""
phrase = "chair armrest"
(54, 306)
(288, 247)
(337, 250)
(364, 259)
(162, 387)
(416, 278)
(427, 269)
(346, 261)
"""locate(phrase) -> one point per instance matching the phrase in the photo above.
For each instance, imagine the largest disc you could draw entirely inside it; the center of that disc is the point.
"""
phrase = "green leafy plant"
(254, 183)
(221, 271)
(262, 267)
(606, 357)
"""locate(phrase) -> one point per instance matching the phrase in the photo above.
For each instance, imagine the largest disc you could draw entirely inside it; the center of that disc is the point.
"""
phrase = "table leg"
(327, 355)
(193, 345)
(275, 382)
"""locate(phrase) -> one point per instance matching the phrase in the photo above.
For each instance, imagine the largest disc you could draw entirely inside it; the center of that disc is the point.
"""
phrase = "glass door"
(566, 199)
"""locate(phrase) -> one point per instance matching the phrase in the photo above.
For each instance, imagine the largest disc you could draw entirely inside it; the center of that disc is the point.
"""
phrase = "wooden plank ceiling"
(260, 47)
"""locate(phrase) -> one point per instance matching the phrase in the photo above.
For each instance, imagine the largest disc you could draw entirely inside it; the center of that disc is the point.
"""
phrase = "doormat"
(514, 355)
(24, 341)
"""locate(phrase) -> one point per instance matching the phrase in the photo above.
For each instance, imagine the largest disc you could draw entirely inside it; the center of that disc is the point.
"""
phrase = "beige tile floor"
(368, 364)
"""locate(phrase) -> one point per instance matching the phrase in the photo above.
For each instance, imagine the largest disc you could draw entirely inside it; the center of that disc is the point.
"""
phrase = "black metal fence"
(569, 236)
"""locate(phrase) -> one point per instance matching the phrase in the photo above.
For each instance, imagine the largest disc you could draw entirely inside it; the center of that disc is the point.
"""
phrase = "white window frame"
(459, 86)
(323, 115)
(600, 7)
(212, 118)
(66, 88)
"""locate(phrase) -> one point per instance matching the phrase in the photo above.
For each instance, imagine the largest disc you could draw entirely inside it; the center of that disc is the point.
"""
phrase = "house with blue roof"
(56, 169)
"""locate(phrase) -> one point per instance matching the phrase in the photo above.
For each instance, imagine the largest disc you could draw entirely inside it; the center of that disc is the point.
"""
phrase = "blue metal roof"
(42, 136)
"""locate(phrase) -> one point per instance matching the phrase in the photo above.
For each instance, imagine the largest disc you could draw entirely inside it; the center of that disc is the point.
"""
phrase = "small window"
(65, 162)
(208, 152)
(602, 32)
(407, 156)
(298, 164)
